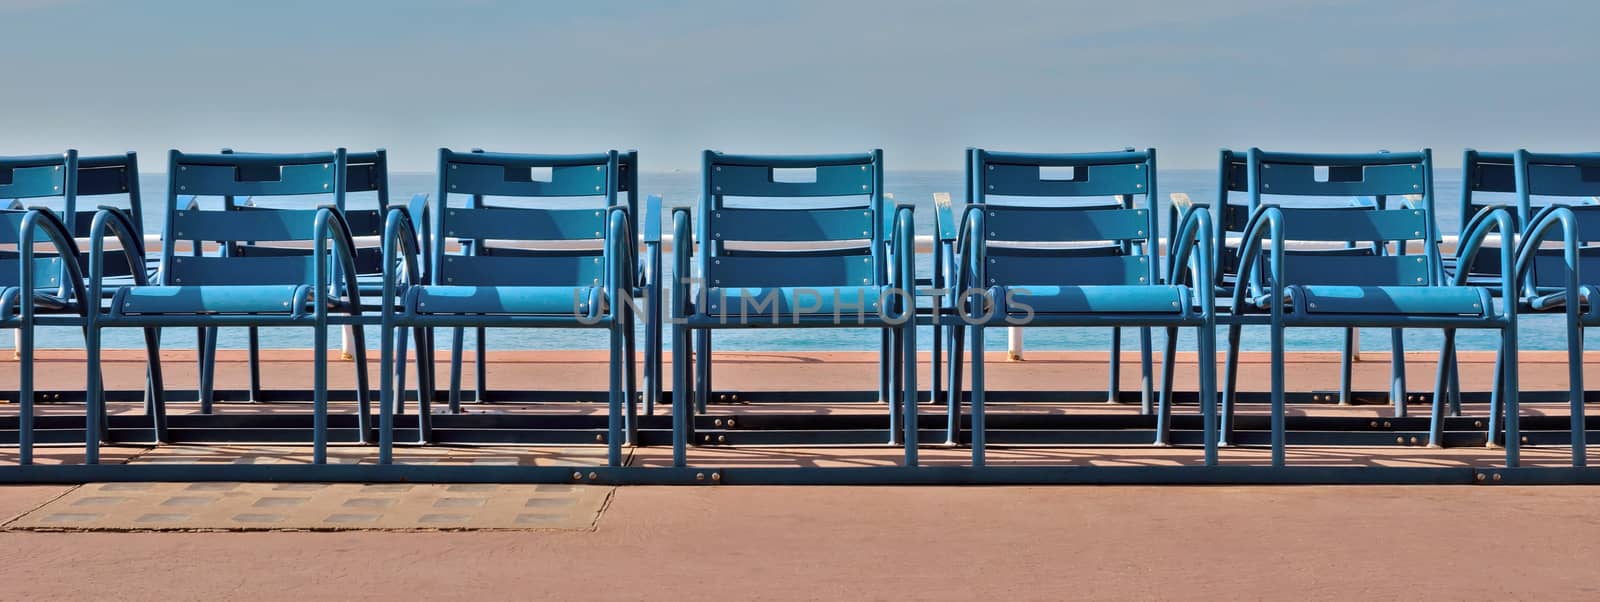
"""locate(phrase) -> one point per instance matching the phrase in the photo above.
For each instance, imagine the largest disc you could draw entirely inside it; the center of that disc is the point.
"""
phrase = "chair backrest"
(833, 238)
(34, 177)
(365, 172)
(238, 175)
(480, 175)
(1559, 177)
(1379, 175)
(1120, 230)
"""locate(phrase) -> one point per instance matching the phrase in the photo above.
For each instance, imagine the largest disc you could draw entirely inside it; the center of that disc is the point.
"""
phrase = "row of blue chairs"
(1045, 240)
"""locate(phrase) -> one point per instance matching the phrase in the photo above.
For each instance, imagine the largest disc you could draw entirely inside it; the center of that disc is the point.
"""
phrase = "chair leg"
(680, 394)
(25, 390)
(363, 386)
(1230, 379)
(935, 393)
(1206, 340)
(1455, 385)
(630, 378)
(96, 397)
(1497, 399)
(1575, 386)
(1347, 356)
(953, 390)
(319, 395)
(977, 397)
(480, 361)
(1508, 342)
(1164, 412)
(886, 344)
(702, 370)
(427, 387)
(909, 394)
(253, 342)
(156, 391)
(1114, 388)
(398, 369)
(1397, 372)
(614, 434)
(388, 391)
(208, 368)
(890, 360)
(1441, 386)
(1278, 409)
(1146, 392)
(457, 348)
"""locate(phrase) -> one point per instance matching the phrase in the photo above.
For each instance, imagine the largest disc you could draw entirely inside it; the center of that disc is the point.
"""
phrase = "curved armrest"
(399, 242)
(1265, 223)
(1548, 220)
(904, 239)
(1194, 232)
(682, 254)
(624, 254)
(330, 223)
(113, 221)
(971, 248)
(42, 219)
(1490, 220)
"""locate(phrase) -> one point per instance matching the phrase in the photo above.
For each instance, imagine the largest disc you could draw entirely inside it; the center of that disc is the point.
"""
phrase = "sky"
(922, 80)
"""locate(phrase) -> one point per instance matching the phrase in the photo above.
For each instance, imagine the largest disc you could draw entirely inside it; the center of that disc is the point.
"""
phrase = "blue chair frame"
(1559, 280)
(627, 188)
(47, 289)
(366, 172)
(1116, 282)
(229, 290)
(507, 287)
(1377, 289)
(860, 277)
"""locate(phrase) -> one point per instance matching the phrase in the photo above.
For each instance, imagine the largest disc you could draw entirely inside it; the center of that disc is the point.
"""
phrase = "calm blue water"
(682, 188)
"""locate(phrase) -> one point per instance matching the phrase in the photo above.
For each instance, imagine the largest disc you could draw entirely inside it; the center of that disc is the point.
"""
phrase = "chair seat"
(788, 301)
(42, 302)
(1133, 298)
(545, 300)
(1408, 300)
(210, 299)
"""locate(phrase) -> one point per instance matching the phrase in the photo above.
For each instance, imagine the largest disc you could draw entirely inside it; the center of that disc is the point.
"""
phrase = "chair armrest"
(682, 255)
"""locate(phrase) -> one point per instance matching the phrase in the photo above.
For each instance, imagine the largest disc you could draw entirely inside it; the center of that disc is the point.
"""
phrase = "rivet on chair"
(1174, 303)
(1141, 279)
(1479, 476)
(991, 186)
(183, 168)
(730, 423)
(452, 186)
(1313, 306)
(699, 476)
(1373, 424)
(597, 189)
(1497, 476)
(1387, 424)
(717, 422)
(1414, 441)
(576, 475)
(1266, 186)
(1400, 440)
(183, 188)
(593, 476)
(1415, 186)
(324, 186)
(719, 189)
(722, 438)
(600, 438)
(1138, 185)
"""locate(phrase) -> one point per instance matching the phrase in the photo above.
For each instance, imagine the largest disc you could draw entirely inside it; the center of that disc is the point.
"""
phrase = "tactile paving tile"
(317, 506)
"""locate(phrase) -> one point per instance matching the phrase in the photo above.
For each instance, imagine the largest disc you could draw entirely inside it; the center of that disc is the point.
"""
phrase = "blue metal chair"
(502, 286)
(1375, 288)
(761, 262)
(1101, 268)
(366, 172)
(239, 289)
(947, 235)
(1561, 279)
(627, 188)
(45, 288)
(1231, 219)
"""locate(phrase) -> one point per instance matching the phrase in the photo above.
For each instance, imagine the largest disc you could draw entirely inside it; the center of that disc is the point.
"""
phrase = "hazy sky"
(922, 80)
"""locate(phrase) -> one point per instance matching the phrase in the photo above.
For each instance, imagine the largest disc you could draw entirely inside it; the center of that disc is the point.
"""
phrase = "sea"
(682, 188)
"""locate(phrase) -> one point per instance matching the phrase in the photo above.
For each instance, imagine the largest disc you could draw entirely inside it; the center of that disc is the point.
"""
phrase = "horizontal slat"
(759, 181)
(31, 182)
(187, 270)
(111, 179)
(517, 180)
(1550, 269)
(1065, 224)
(522, 223)
(790, 225)
(257, 178)
(1353, 224)
(1355, 270)
(46, 271)
(363, 222)
(1563, 180)
(777, 270)
(1370, 180)
(234, 225)
(1006, 270)
(463, 270)
(1087, 180)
